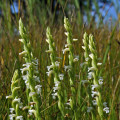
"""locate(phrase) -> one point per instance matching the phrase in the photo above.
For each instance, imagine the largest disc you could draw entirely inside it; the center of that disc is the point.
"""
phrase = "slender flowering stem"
(96, 94)
(16, 101)
(87, 65)
(31, 69)
(71, 70)
(57, 77)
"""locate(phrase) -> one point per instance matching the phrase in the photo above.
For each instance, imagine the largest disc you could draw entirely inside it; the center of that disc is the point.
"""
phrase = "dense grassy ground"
(107, 40)
(10, 47)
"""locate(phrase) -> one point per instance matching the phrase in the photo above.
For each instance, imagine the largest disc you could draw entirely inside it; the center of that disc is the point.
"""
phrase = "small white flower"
(68, 103)
(55, 88)
(10, 96)
(32, 106)
(49, 67)
(86, 59)
(75, 39)
(106, 109)
(94, 102)
(94, 86)
(12, 110)
(83, 47)
(99, 64)
(21, 40)
(22, 53)
(25, 77)
(17, 100)
(90, 75)
(75, 60)
(11, 116)
(57, 63)
(89, 109)
(49, 51)
(31, 111)
(35, 62)
(47, 40)
(67, 67)
(67, 45)
(66, 33)
(100, 81)
(27, 65)
(38, 89)
(54, 95)
(92, 69)
(24, 69)
(27, 85)
(19, 117)
(49, 72)
(57, 83)
(94, 93)
(61, 76)
(65, 50)
(31, 94)
(91, 56)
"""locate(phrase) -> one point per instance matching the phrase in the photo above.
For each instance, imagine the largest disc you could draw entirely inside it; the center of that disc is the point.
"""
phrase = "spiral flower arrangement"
(89, 76)
(29, 74)
(97, 81)
(16, 101)
(70, 67)
(53, 68)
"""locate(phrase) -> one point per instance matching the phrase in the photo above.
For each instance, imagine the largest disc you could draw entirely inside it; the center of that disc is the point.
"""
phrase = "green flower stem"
(87, 64)
(54, 67)
(31, 69)
(71, 71)
(95, 75)
(16, 104)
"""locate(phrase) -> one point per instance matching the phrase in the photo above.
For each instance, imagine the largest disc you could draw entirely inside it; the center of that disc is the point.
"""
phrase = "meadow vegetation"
(67, 71)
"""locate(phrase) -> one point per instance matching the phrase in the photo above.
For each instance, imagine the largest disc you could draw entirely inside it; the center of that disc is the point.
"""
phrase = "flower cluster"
(70, 67)
(16, 101)
(91, 61)
(53, 69)
(97, 81)
(30, 71)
